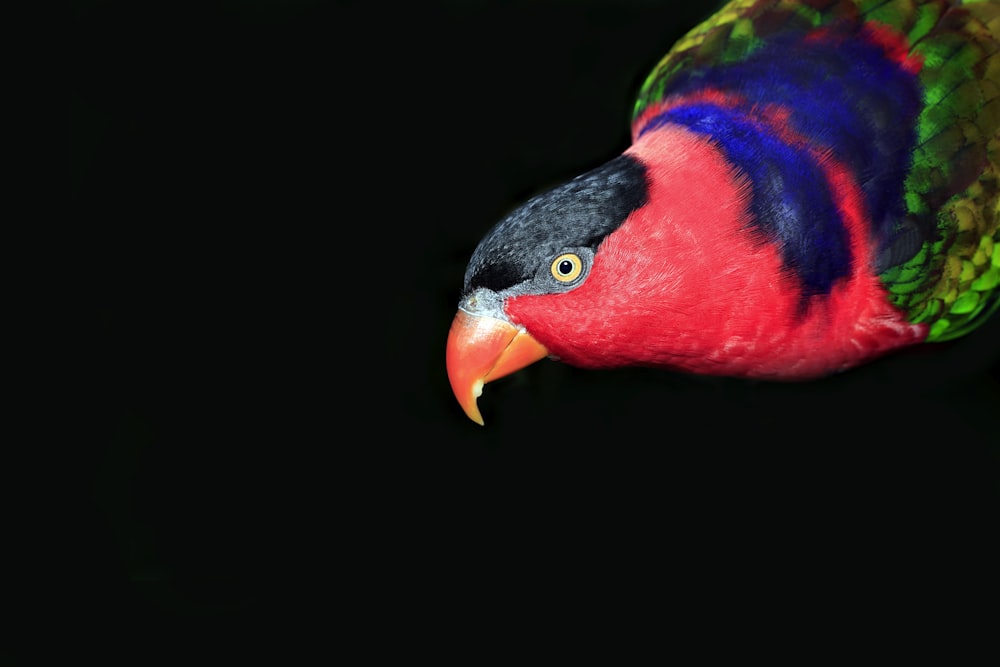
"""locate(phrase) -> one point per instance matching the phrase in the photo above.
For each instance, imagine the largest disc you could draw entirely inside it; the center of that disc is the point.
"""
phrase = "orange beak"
(483, 349)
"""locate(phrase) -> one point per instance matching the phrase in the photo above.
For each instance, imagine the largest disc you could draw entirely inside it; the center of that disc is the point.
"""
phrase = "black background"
(277, 201)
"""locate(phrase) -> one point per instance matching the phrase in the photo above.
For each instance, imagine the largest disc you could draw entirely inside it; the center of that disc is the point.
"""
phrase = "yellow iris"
(567, 267)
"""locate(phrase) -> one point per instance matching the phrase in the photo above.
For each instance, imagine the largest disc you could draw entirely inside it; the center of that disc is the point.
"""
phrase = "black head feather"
(577, 214)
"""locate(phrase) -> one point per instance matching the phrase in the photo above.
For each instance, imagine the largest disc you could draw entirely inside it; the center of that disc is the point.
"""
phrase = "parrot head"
(536, 258)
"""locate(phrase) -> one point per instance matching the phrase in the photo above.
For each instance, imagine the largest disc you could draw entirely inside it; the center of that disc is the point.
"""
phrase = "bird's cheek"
(483, 349)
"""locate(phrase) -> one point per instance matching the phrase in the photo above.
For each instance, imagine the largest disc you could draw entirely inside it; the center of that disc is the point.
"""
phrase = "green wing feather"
(951, 283)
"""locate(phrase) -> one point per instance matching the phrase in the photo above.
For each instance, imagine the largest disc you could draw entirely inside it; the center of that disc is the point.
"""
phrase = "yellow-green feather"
(951, 284)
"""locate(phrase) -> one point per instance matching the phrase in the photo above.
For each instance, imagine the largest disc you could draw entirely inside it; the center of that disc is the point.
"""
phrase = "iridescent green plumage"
(951, 284)
(948, 278)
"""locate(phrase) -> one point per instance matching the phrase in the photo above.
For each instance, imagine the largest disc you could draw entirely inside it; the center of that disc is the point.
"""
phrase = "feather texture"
(904, 94)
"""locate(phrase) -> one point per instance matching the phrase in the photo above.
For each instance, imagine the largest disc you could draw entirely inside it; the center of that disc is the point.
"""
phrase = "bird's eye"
(567, 267)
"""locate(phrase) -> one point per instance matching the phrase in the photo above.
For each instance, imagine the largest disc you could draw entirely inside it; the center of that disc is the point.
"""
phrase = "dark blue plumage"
(824, 84)
(794, 189)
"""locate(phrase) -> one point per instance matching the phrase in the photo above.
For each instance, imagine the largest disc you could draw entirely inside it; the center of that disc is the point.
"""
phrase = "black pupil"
(565, 267)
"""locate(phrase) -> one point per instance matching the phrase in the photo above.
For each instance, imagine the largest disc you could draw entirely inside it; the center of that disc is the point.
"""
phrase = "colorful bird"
(811, 184)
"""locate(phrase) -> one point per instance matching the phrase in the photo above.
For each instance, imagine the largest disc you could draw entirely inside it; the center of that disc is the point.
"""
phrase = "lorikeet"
(811, 184)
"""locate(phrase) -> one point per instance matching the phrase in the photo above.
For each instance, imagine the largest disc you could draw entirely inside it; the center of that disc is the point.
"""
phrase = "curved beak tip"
(472, 407)
(469, 404)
